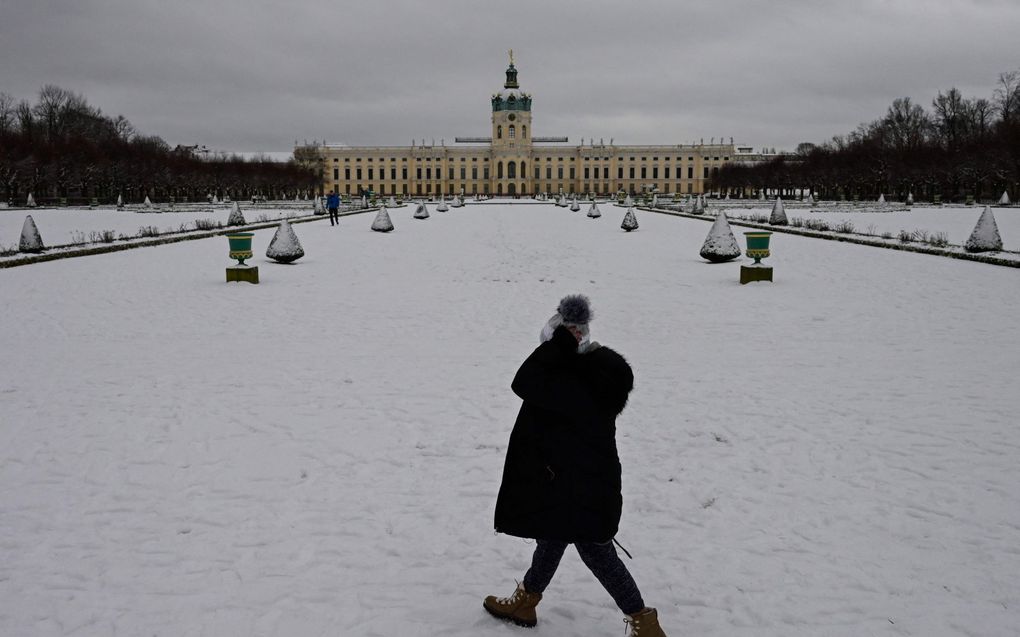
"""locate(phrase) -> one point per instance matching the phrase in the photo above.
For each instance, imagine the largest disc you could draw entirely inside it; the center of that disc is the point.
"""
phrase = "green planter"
(757, 245)
(240, 246)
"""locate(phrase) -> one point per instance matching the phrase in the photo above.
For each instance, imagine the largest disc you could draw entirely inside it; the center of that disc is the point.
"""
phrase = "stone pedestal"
(249, 273)
(750, 273)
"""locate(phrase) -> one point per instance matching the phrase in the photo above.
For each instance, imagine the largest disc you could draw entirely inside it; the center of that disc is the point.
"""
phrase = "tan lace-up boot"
(519, 608)
(644, 624)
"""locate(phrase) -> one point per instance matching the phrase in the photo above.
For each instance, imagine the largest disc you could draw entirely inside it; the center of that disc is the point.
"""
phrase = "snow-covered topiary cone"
(593, 211)
(318, 207)
(720, 244)
(574, 206)
(778, 216)
(629, 202)
(421, 212)
(985, 236)
(31, 240)
(30, 202)
(147, 204)
(391, 202)
(285, 246)
(442, 207)
(881, 199)
(629, 221)
(382, 221)
(810, 198)
(236, 218)
(699, 205)
(910, 199)
(1004, 199)
(655, 201)
(120, 202)
(761, 195)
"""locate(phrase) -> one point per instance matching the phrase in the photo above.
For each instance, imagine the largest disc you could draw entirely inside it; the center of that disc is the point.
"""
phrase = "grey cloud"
(256, 75)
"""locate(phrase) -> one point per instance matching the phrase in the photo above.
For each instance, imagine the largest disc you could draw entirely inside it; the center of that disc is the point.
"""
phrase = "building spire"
(511, 57)
(511, 73)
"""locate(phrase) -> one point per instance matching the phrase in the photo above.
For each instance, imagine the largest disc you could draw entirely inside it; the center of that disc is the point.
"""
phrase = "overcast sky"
(256, 75)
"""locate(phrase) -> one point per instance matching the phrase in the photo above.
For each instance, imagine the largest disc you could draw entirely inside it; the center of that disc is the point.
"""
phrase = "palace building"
(514, 161)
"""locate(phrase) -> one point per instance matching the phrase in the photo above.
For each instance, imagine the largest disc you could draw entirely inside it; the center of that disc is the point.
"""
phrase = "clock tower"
(511, 135)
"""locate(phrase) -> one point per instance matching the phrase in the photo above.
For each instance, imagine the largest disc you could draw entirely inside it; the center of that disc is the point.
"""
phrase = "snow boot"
(519, 608)
(644, 624)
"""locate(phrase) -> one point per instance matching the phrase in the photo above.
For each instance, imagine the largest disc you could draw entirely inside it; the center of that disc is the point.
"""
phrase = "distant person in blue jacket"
(333, 204)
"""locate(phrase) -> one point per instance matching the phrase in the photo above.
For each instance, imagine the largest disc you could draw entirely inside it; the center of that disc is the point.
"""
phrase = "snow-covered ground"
(956, 222)
(833, 454)
(60, 226)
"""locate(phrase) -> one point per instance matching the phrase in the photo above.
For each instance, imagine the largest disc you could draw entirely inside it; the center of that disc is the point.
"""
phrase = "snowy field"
(60, 226)
(65, 225)
(956, 222)
(832, 455)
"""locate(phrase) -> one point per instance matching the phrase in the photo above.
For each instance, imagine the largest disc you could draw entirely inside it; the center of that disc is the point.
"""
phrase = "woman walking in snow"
(561, 479)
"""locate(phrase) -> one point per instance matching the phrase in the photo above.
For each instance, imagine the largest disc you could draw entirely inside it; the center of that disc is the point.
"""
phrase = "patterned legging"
(601, 560)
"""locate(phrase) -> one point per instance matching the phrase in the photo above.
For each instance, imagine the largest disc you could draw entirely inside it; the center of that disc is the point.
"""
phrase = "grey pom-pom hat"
(575, 309)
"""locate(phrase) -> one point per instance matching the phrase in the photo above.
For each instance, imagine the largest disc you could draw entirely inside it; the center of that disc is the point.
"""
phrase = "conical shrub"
(574, 206)
(285, 247)
(31, 240)
(147, 203)
(985, 237)
(421, 212)
(629, 221)
(120, 202)
(910, 199)
(593, 211)
(778, 216)
(318, 208)
(382, 221)
(442, 207)
(30, 202)
(881, 199)
(720, 244)
(1004, 199)
(236, 218)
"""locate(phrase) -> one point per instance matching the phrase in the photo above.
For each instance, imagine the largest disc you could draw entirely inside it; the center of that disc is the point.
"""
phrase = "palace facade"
(515, 162)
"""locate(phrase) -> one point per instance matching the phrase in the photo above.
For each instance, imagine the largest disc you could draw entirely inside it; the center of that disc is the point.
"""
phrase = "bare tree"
(1007, 96)
(7, 114)
(950, 117)
(906, 124)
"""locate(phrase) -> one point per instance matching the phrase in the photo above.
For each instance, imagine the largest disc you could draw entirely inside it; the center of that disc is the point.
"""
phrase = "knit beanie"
(574, 310)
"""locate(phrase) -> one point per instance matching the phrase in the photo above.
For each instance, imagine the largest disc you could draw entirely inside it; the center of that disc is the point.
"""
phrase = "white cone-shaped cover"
(720, 244)
(655, 201)
(810, 198)
(881, 199)
(285, 246)
(382, 221)
(120, 201)
(147, 203)
(391, 202)
(629, 221)
(319, 210)
(910, 198)
(1004, 199)
(236, 218)
(761, 195)
(593, 211)
(628, 201)
(442, 207)
(30, 202)
(574, 206)
(699, 205)
(421, 212)
(985, 236)
(778, 216)
(31, 240)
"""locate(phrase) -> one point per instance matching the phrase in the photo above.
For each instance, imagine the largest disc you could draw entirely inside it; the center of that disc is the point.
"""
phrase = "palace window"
(690, 173)
(336, 174)
(359, 174)
(499, 170)
(524, 132)
(499, 132)
(513, 131)
(511, 168)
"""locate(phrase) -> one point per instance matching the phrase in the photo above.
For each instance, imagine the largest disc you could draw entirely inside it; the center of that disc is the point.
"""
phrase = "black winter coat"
(561, 479)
